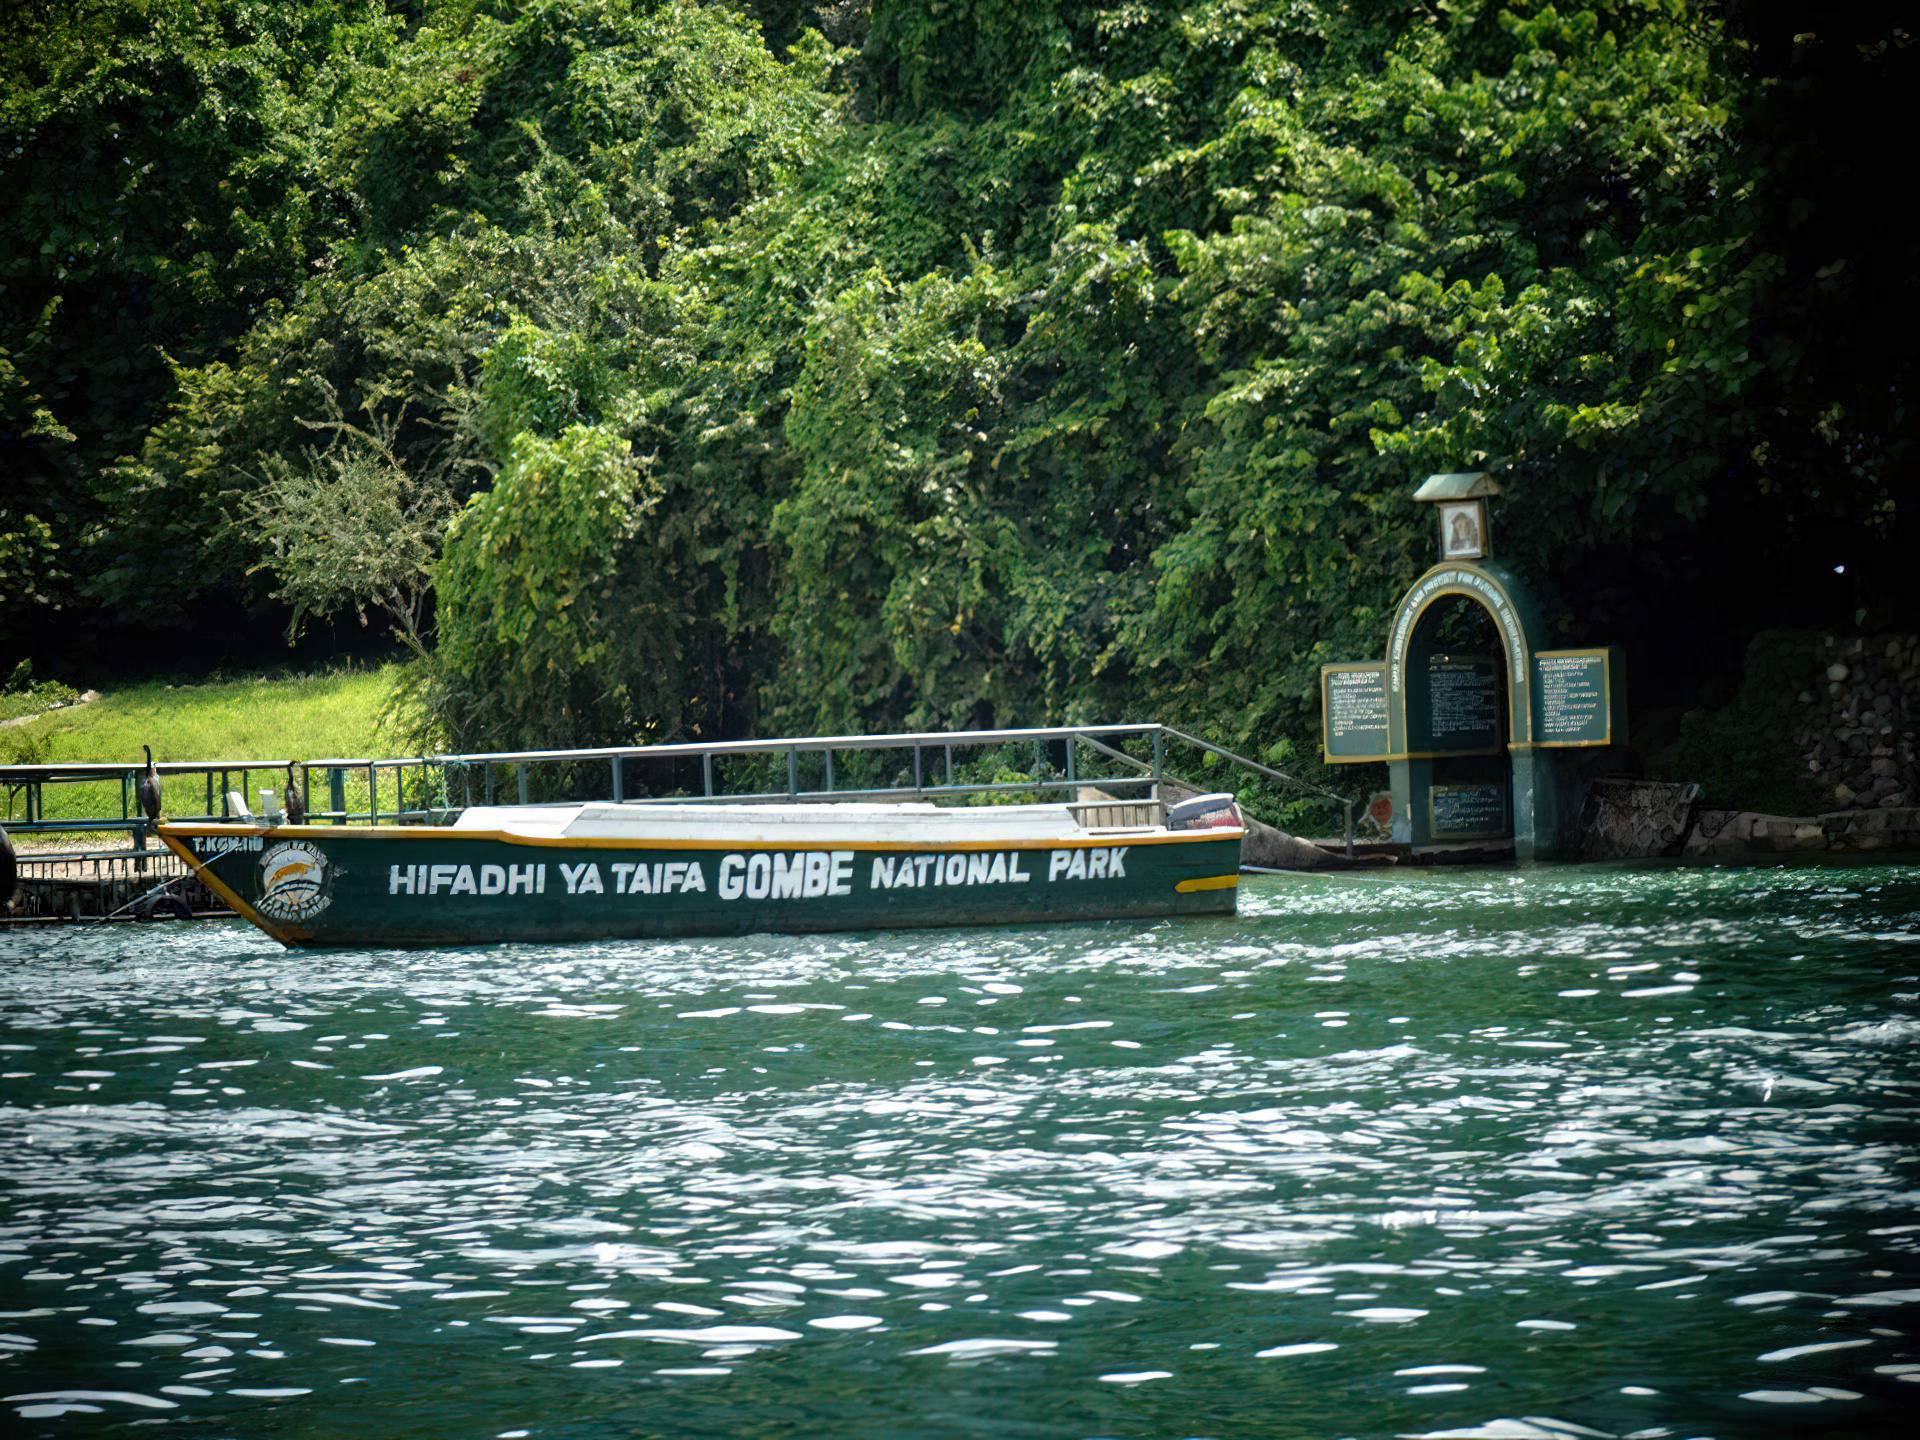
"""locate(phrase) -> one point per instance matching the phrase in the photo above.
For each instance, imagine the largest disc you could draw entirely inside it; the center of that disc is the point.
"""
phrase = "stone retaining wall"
(1635, 819)
(1733, 833)
(1857, 732)
(1644, 819)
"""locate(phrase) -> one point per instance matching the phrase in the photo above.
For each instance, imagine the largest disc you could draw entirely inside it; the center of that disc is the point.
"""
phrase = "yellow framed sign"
(1577, 699)
(1353, 713)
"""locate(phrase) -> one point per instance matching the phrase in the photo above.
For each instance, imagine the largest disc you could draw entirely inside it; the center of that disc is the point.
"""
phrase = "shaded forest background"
(689, 369)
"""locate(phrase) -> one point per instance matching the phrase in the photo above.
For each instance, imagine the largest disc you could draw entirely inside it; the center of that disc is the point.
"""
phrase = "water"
(1553, 1154)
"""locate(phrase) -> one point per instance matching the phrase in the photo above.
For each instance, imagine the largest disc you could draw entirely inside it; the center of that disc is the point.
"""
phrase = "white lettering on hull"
(466, 879)
(1103, 863)
(759, 875)
(227, 844)
(794, 875)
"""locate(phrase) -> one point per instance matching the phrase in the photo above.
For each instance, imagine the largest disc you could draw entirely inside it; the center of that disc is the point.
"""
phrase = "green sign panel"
(1463, 703)
(1573, 699)
(1353, 713)
(1468, 812)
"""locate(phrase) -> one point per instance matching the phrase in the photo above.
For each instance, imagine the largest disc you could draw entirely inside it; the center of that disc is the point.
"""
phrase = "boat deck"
(808, 824)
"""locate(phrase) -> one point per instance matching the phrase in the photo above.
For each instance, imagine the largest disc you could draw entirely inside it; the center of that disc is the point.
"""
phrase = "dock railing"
(1127, 762)
(74, 799)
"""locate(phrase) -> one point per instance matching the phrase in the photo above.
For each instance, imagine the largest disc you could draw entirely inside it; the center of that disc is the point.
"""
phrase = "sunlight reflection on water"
(1584, 1151)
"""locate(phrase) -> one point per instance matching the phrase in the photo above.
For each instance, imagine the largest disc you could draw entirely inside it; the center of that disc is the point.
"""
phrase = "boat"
(652, 870)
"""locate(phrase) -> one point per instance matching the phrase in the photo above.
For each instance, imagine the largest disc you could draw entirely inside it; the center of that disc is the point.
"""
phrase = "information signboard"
(1573, 698)
(1353, 713)
(1467, 812)
(1463, 703)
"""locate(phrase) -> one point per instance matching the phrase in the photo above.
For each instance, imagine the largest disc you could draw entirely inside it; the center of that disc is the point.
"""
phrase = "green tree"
(537, 647)
(929, 364)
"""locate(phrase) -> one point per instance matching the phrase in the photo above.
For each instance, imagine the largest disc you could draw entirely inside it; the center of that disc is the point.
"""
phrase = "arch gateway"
(1488, 744)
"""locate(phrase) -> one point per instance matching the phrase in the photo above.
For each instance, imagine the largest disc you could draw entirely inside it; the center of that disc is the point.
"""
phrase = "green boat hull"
(419, 885)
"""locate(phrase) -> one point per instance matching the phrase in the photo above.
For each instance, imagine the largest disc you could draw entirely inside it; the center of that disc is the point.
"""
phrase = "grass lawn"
(249, 717)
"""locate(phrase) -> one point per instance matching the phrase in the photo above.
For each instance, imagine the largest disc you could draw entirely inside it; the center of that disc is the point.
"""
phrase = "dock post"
(1349, 808)
(1159, 757)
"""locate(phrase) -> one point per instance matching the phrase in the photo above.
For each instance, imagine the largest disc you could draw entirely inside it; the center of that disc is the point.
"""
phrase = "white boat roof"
(795, 823)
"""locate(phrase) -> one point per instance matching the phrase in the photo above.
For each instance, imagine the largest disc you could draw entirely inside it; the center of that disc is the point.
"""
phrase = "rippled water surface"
(1577, 1152)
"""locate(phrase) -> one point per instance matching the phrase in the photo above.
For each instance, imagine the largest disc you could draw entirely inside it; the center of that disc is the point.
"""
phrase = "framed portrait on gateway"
(1463, 529)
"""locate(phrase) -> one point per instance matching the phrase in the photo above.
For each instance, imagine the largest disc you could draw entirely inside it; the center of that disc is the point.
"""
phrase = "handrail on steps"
(1346, 802)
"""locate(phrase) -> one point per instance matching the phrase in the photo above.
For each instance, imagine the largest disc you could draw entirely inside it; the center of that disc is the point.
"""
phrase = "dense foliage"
(721, 367)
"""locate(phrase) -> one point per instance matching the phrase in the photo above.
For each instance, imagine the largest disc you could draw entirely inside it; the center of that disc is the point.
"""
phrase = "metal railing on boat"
(1126, 762)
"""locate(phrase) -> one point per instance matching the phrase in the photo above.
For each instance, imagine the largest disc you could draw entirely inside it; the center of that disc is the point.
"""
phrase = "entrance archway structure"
(1417, 761)
(1464, 768)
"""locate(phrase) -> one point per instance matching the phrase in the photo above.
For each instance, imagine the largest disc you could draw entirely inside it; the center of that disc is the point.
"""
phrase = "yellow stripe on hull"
(1208, 882)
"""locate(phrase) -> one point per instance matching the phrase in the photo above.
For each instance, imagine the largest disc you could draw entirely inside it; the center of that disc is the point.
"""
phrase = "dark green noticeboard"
(1353, 713)
(1573, 698)
(1463, 697)
(1468, 812)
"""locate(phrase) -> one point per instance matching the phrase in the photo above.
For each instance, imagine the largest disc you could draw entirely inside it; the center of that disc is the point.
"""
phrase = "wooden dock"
(68, 886)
